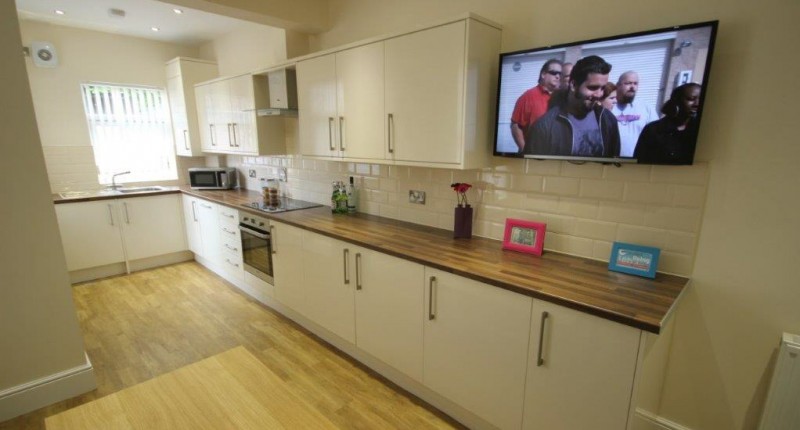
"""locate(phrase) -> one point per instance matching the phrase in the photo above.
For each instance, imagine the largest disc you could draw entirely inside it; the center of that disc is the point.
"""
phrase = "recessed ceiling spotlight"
(178, 11)
(116, 13)
(154, 28)
(59, 12)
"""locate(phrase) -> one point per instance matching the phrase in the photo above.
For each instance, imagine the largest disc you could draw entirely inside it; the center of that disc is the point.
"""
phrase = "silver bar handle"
(127, 217)
(252, 232)
(330, 133)
(213, 135)
(346, 269)
(230, 138)
(229, 215)
(111, 214)
(186, 139)
(228, 231)
(389, 127)
(231, 248)
(194, 210)
(539, 359)
(234, 126)
(358, 271)
(341, 139)
(205, 206)
(273, 239)
(431, 314)
(231, 262)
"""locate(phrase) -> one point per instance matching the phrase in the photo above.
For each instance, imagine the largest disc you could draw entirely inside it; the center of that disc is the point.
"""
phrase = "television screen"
(635, 98)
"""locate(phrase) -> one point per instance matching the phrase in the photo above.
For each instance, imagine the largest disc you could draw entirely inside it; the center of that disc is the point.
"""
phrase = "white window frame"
(130, 130)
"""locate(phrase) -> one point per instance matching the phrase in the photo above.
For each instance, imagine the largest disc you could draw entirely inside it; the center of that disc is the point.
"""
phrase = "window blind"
(130, 129)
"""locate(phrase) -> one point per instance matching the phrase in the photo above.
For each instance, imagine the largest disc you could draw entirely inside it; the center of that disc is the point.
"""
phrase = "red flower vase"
(462, 225)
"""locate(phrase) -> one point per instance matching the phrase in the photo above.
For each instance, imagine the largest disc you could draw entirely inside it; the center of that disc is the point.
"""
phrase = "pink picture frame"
(524, 236)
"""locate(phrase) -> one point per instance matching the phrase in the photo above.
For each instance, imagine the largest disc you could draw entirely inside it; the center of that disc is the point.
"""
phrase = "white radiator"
(782, 410)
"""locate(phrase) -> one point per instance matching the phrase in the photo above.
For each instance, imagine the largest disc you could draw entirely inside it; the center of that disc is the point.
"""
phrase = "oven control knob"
(246, 219)
(261, 224)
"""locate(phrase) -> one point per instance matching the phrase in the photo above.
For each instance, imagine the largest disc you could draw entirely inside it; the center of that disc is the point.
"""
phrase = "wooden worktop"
(574, 282)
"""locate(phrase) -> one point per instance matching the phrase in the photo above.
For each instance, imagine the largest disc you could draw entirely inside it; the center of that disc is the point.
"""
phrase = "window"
(130, 130)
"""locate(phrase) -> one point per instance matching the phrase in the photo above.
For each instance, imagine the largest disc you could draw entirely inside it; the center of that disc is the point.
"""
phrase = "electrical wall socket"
(416, 196)
(251, 173)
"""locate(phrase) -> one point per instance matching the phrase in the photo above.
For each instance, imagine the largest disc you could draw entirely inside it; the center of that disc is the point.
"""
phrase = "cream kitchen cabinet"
(103, 232)
(330, 285)
(341, 104)
(440, 94)
(152, 226)
(229, 117)
(580, 372)
(191, 221)
(230, 242)
(434, 91)
(476, 346)
(287, 263)
(389, 305)
(182, 74)
(90, 233)
(202, 228)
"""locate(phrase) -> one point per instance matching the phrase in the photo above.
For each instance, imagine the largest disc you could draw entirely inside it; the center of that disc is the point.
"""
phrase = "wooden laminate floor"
(149, 323)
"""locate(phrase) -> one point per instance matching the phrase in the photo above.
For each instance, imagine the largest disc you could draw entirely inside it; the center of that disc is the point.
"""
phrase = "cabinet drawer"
(231, 243)
(229, 232)
(232, 264)
(228, 216)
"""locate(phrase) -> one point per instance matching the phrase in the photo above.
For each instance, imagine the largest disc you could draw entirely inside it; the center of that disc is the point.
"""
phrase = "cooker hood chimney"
(282, 85)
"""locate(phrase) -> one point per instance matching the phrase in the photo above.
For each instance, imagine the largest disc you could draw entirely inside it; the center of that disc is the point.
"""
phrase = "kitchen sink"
(127, 190)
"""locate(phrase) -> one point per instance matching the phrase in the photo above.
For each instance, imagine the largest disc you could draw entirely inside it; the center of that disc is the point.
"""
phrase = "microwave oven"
(212, 178)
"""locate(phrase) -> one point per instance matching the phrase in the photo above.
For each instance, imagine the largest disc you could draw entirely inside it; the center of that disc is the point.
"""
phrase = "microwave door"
(203, 179)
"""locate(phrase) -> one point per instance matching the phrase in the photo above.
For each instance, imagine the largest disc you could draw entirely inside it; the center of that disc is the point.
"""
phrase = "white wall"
(85, 56)
(249, 48)
(745, 278)
(39, 334)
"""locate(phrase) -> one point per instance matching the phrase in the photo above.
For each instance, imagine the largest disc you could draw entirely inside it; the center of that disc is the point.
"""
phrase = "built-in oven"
(256, 246)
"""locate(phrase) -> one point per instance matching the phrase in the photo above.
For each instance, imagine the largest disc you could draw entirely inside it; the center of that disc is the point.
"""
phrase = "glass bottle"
(352, 197)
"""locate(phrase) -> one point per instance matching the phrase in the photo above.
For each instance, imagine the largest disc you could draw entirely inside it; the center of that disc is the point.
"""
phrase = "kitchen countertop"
(578, 283)
(92, 195)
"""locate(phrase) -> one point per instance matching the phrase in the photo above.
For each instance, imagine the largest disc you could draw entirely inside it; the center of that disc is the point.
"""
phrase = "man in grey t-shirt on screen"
(577, 124)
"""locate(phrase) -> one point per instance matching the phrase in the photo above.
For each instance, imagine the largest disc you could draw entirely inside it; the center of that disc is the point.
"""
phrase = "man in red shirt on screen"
(532, 104)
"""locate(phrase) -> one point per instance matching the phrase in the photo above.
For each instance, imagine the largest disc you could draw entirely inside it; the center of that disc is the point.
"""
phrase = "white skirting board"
(42, 392)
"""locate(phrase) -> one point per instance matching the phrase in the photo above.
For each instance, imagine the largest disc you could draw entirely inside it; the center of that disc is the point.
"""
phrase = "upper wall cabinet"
(342, 104)
(182, 74)
(229, 120)
(424, 98)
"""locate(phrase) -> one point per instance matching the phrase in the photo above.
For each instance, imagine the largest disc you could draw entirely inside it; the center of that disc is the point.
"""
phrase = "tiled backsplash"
(586, 206)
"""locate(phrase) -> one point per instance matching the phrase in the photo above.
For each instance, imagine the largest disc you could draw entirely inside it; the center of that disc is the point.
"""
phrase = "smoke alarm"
(116, 13)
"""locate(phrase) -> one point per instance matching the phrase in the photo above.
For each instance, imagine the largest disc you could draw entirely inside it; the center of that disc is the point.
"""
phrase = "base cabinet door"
(476, 346)
(192, 223)
(585, 376)
(90, 233)
(287, 265)
(389, 306)
(152, 226)
(329, 286)
(209, 231)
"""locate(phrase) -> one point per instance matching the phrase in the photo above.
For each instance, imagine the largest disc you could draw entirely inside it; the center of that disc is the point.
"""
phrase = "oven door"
(257, 252)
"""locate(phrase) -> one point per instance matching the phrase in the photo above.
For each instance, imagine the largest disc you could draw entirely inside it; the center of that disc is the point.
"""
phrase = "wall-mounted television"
(633, 98)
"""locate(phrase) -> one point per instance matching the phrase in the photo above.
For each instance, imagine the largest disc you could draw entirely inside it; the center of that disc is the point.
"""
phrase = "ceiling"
(192, 27)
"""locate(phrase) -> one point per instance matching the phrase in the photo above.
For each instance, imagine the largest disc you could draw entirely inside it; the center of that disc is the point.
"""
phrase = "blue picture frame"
(634, 259)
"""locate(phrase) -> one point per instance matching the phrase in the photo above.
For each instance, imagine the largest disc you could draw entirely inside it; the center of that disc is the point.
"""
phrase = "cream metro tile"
(645, 192)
